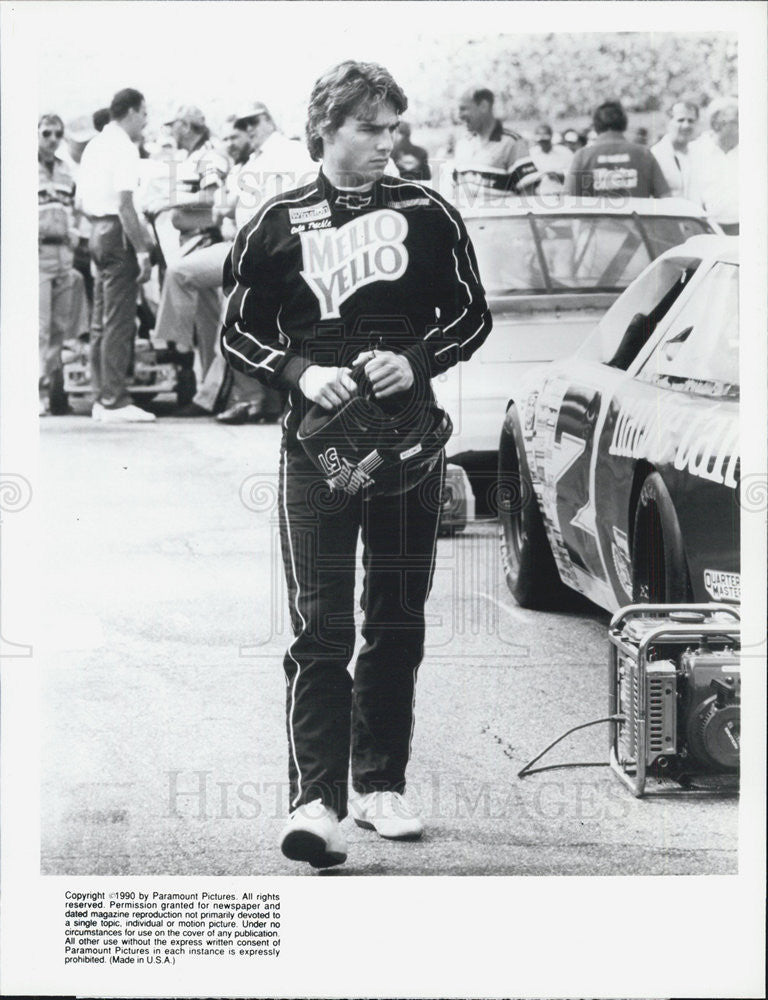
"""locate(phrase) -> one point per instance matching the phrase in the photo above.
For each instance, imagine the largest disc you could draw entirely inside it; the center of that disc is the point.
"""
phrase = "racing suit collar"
(345, 198)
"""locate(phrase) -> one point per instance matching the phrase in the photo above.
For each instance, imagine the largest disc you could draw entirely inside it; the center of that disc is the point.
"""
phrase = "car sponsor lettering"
(707, 447)
(722, 586)
(311, 214)
(621, 561)
(338, 262)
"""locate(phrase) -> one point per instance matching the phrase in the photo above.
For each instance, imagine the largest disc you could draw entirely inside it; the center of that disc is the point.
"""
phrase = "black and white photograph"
(384, 546)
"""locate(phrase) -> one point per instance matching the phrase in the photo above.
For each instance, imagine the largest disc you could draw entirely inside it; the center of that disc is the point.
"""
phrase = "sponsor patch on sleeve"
(722, 586)
(310, 214)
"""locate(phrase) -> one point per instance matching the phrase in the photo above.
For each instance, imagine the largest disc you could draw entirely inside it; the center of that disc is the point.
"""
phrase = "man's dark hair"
(609, 117)
(351, 88)
(483, 94)
(100, 118)
(123, 102)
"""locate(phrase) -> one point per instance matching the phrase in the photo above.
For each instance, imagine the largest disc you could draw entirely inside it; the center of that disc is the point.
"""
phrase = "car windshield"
(545, 254)
(702, 342)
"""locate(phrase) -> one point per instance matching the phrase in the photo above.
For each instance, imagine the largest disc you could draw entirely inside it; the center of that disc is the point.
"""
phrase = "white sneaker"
(388, 814)
(122, 415)
(313, 834)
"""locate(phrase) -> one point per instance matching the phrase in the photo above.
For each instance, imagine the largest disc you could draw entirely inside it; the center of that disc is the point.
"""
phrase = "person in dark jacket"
(613, 166)
(355, 268)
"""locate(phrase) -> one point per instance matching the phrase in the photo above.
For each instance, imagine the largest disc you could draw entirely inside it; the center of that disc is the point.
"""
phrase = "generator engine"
(675, 697)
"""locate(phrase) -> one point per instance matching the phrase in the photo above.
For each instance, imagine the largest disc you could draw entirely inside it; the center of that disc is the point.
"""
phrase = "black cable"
(552, 767)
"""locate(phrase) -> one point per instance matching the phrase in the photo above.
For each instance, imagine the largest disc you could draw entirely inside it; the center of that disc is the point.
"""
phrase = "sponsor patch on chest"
(338, 262)
(310, 214)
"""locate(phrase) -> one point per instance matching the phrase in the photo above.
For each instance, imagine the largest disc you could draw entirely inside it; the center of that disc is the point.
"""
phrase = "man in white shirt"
(120, 248)
(716, 164)
(672, 151)
(275, 164)
(188, 313)
(552, 162)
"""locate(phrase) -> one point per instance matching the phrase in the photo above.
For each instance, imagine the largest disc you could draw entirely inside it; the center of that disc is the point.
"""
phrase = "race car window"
(633, 317)
(544, 254)
(507, 256)
(700, 351)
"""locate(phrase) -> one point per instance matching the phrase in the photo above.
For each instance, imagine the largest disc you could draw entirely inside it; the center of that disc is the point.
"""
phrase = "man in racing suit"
(353, 268)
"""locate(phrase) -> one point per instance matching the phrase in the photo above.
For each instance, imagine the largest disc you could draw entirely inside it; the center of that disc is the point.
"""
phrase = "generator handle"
(640, 610)
(679, 631)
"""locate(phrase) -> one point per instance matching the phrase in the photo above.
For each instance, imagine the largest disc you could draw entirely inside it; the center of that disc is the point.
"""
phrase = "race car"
(619, 465)
(551, 266)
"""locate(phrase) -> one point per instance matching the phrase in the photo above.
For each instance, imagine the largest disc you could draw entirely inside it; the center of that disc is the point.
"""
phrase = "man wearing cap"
(273, 164)
(63, 311)
(120, 247)
(551, 161)
(188, 313)
(490, 156)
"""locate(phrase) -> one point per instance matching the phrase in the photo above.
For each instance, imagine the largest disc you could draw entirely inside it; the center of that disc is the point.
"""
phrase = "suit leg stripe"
(291, 737)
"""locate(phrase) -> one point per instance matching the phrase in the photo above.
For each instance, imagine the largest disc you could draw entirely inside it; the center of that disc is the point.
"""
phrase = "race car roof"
(500, 204)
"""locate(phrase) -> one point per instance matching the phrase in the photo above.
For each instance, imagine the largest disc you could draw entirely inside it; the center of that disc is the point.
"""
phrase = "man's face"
(726, 127)
(259, 129)
(49, 135)
(179, 130)
(359, 149)
(544, 139)
(238, 145)
(473, 115)
(135, 122)
(682, 124)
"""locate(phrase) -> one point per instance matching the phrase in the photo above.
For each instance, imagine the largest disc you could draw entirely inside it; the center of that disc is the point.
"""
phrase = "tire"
(529, 566)
(186, 386)
(659, 568)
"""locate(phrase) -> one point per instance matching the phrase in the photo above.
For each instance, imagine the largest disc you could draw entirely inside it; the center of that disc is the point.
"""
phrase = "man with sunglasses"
(63, 310)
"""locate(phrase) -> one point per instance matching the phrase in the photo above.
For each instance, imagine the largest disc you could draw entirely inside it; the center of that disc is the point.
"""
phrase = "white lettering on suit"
(337, 262)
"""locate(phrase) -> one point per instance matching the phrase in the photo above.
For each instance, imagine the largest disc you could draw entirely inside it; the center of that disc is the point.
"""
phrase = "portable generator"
(675, 697)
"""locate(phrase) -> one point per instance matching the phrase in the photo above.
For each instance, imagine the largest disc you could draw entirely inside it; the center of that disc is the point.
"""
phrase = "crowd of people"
(106, 193)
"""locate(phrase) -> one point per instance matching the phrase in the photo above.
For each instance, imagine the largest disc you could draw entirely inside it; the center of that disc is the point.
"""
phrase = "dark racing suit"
(320, 275)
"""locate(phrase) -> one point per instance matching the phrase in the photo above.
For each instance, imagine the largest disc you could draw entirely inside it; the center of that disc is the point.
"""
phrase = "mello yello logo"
(339, 261)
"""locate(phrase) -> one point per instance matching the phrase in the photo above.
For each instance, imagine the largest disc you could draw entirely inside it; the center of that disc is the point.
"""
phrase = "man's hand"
(329, 387)
(389, 373)
(145, 267)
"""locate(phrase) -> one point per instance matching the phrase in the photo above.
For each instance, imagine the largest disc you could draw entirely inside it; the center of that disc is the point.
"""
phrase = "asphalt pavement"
(163, 625)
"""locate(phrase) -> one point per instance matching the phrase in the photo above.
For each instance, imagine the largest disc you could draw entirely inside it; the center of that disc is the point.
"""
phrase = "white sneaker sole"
(413, 834)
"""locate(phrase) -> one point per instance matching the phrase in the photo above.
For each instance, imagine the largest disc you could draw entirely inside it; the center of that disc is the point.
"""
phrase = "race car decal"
(707, 444)
(621, 560)
(722, 586)
(337, 262)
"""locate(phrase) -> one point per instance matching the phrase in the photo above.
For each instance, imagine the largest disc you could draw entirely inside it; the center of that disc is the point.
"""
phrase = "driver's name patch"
(338, 262)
